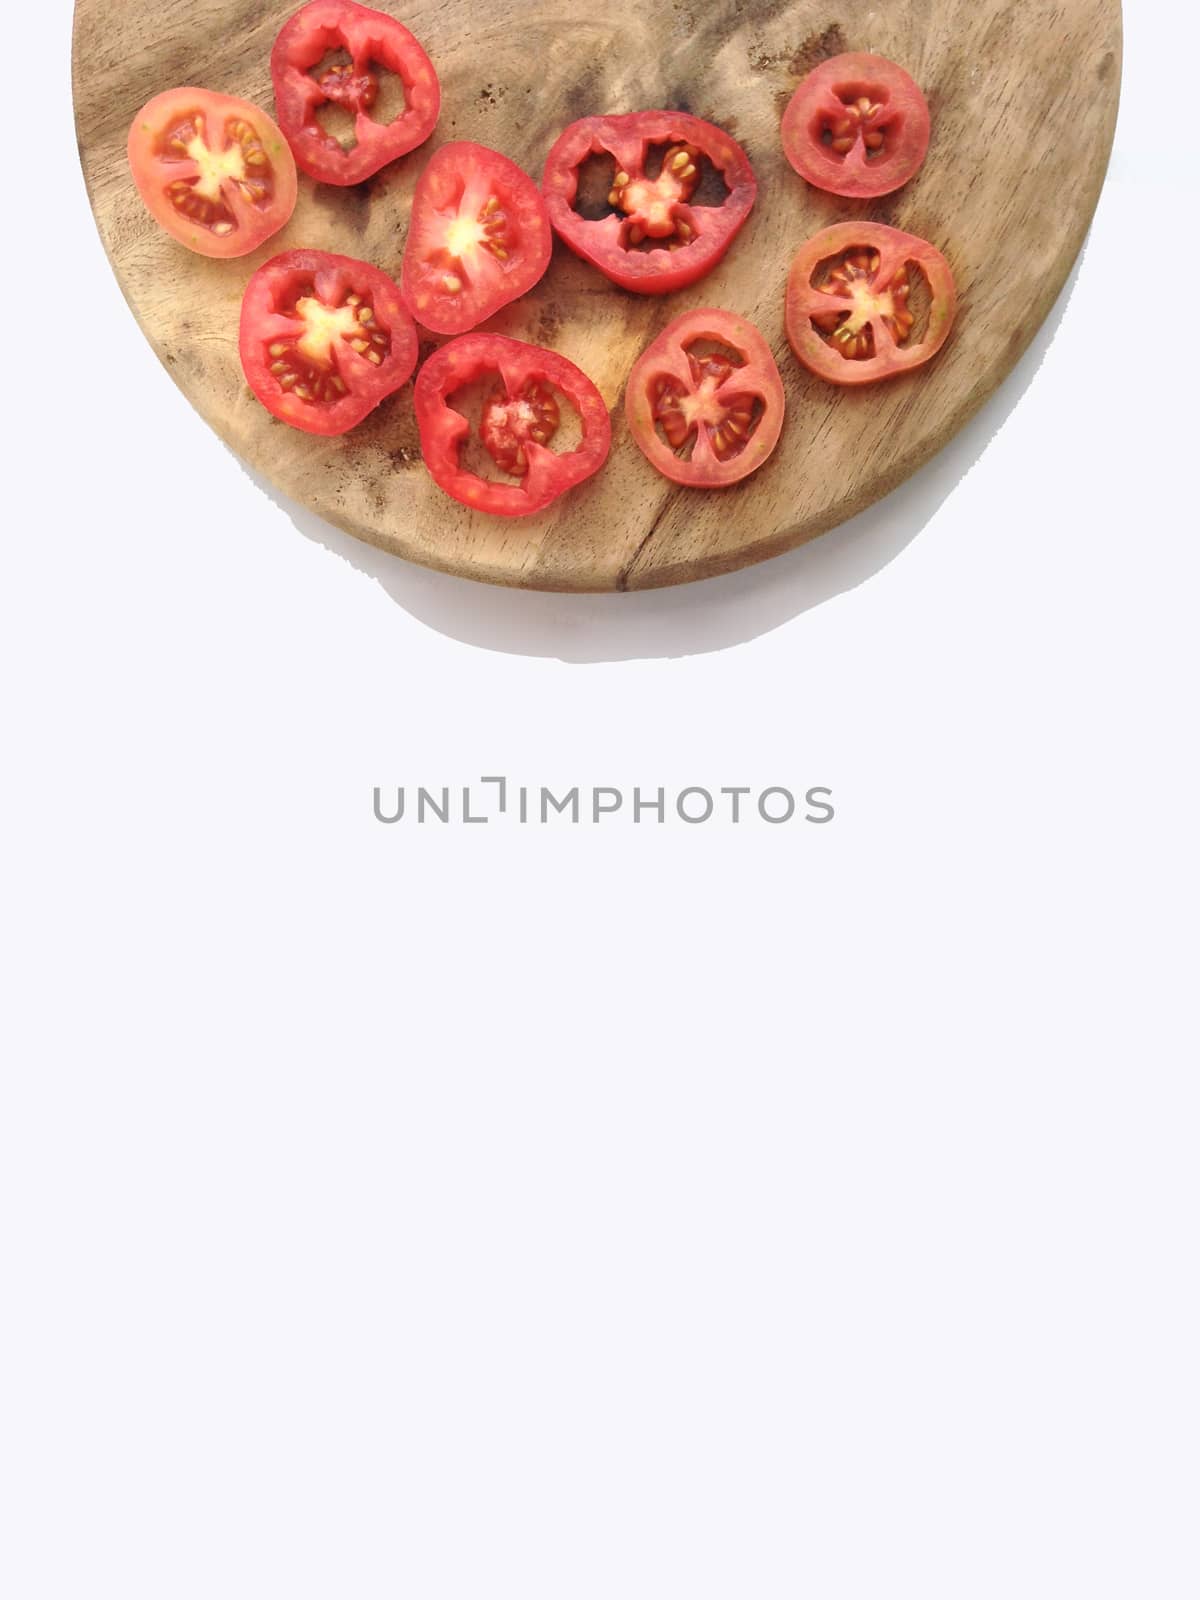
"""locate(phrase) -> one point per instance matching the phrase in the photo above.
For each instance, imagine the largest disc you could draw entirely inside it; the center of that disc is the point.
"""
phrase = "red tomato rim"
(758, 377)
(312, 33)
(819, 106)
(527, 241)
(627, 139)
(253, 224)
(896, 250)
(334, 278)
(463, 362)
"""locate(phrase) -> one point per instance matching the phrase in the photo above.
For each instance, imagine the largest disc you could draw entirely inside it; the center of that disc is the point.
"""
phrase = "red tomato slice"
(214, 171)
(478, 239)
(857, 126)
(324, 340)
(520, 418)
(655, 239)
(720, 411)
(372, 41)
(849, 317)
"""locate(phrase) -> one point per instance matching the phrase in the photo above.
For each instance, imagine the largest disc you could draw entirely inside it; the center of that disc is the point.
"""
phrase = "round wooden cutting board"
(1024, 101)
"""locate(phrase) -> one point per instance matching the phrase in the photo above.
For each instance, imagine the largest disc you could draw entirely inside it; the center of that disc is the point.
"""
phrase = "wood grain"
(1024, 101)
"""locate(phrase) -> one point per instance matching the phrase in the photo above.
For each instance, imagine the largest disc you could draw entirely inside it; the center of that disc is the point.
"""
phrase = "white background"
(571, 1213)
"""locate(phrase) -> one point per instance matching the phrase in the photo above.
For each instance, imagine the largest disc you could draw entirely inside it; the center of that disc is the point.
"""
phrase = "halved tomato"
(214, 171)
(705, 402)
(656, 236)
(324, 339)
(368, 41)
(479, 238)
(857, 126)
(521, 414)
(854, 303)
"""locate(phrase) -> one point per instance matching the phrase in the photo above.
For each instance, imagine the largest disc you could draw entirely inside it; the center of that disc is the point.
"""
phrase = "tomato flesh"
(858, 126)
(215, 172)
(686, 239)
(510, 425)
(726, 405)
(850, 317)
(519, 421)
(324, 339)
(653, 204)
(375, 43)
(726, 419)
(478, 239)
(853, 329)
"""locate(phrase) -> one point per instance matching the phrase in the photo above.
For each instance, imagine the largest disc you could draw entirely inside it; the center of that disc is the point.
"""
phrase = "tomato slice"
(324, 339)
(371, 41)
(215, 172)
(705, 402)
(478, 239)
(656, 237)
(851, 316)
(857, 126)
(520, 418)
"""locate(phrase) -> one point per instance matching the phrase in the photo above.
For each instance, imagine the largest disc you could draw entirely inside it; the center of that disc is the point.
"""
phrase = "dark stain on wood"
(818, 47)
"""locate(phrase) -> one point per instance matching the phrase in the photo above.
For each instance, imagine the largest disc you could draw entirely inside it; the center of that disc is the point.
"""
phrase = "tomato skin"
(758, 377)
(334, 278)
(466, 360)
(251, 224)
(476, 176)
(896, 250)
(903, 123)
(304, 41)
(627, 139)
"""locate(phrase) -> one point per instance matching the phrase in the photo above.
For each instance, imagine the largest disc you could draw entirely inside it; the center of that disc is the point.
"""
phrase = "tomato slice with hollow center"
(852, 303)
(518, 425)
(305, 80)
(215, 172)
(857, 126)
(705, 402)
(479, 238)
(324, 339)
(657, 236)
